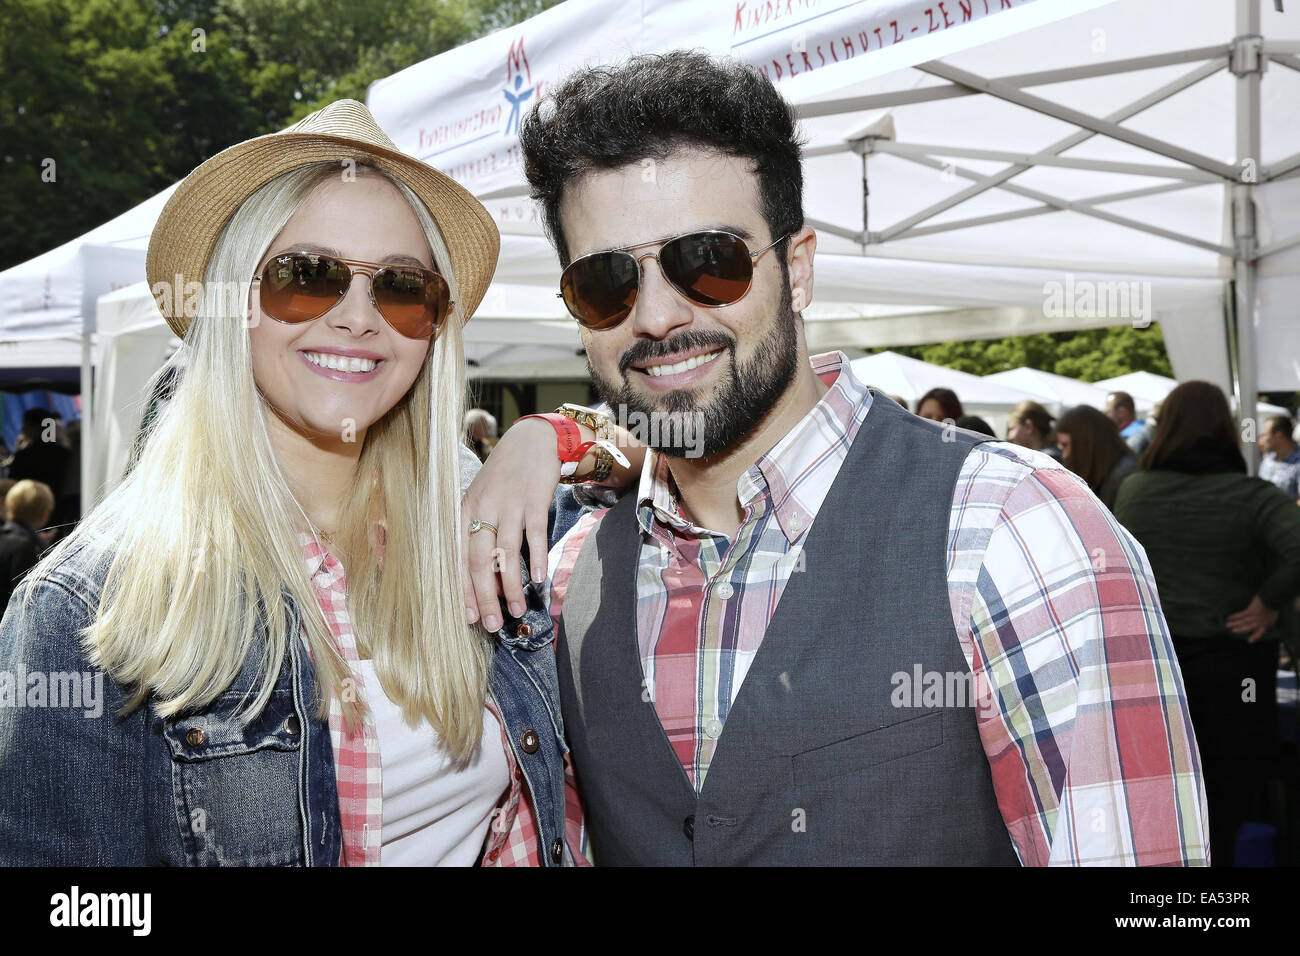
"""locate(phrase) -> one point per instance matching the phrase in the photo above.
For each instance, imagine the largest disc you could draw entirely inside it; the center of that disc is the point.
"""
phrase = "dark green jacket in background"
(1214, 542)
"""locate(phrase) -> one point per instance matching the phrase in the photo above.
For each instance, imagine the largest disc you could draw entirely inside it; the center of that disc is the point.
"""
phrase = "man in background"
(1281, 462)
(1121, 410)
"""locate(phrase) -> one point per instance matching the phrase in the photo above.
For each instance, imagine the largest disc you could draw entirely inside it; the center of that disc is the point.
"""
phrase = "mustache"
(644, 350)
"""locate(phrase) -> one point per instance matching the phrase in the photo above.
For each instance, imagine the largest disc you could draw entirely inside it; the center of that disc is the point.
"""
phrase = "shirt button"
(530, 741)
(724, 591)
(557, 851)
(713, 728)
(196, 737)
(292, 726)
(796, 521)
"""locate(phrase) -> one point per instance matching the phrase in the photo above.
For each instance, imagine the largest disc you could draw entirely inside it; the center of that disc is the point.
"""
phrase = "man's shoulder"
(1001, 464)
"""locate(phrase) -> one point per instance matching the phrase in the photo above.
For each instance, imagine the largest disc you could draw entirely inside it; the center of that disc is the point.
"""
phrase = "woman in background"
(1225, 550)
(940, 404)
(1092, 449)
(1030, 426)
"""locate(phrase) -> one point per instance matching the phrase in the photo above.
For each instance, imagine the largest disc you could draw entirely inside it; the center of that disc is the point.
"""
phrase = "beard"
(747, 392)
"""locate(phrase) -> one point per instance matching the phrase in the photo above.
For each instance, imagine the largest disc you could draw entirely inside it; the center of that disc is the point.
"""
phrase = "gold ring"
(476, 525)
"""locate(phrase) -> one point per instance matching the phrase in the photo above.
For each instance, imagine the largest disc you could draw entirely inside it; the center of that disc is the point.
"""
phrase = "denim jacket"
(82, 786)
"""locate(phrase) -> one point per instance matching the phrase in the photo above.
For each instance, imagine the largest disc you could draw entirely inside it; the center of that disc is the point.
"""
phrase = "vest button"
(688, 827)
(530, 741)
(292, 726)
(524, 631)
(557, 851)
(196, 737)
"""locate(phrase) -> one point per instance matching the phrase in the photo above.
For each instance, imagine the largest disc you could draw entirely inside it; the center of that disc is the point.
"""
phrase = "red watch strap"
(569, 438)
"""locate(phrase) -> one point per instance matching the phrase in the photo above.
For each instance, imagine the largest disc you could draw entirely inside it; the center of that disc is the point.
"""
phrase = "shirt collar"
(315, 558)
(797, 472)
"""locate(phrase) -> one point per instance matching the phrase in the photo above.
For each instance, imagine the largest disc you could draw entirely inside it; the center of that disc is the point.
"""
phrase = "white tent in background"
(1147, 389)
(909, 379)
(973, 170)
(1057, 391)
(989, 169)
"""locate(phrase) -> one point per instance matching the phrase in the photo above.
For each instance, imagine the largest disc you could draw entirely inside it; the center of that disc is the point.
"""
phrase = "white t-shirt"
(436, 813)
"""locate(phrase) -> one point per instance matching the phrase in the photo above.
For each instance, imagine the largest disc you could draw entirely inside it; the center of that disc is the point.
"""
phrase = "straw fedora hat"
(194, 216)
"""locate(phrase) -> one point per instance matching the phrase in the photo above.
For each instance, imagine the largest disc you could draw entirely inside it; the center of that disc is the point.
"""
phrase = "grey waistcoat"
(817, 763)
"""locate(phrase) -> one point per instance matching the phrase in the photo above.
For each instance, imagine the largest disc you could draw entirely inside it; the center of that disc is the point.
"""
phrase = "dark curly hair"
(651, 105)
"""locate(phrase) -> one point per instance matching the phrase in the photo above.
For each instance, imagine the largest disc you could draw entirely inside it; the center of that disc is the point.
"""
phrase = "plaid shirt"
(1090, 745)
(512, 838)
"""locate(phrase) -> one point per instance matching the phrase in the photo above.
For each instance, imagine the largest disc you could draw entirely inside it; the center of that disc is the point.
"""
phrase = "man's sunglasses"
(710, 268)
(301, 286)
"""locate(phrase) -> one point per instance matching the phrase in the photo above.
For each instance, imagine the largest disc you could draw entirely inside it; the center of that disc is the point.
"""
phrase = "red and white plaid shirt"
(512, 838)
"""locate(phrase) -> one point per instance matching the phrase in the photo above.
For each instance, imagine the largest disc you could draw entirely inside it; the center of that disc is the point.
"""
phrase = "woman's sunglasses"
(301, 286)
(709, 268)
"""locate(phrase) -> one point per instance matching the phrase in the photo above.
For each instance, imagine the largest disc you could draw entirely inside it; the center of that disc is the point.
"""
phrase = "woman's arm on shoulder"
(515, 492)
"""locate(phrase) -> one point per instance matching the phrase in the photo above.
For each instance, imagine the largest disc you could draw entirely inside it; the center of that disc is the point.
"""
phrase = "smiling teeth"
(340, 363)
(694, 361)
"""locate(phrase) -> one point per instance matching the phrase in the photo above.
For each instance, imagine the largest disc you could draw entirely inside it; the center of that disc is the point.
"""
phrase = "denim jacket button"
(530, 741)
(524, 631)
(557, 851)
(195, 737)
(292, 726)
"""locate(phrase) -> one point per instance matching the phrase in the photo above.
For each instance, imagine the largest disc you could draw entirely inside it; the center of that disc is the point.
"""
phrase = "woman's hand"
(513, 491)
(1254, 620)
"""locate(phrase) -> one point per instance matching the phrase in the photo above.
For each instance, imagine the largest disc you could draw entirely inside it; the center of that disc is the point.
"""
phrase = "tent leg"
(1247, 65)
(87, 423)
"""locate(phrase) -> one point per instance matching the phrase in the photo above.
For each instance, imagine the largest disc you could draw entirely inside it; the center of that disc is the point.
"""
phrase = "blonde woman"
(262, 625)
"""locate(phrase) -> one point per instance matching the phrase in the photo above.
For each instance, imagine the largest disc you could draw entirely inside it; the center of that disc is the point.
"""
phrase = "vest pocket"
(868, 749)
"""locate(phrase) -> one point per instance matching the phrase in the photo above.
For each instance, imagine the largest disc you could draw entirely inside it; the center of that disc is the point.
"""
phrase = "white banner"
(460, 111)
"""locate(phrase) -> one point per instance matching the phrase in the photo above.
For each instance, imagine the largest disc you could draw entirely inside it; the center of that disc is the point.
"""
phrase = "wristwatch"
(599, 424)
(596, 421)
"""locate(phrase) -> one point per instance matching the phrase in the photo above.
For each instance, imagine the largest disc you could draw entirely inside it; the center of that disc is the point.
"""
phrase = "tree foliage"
(106, 102)
(1087, 355)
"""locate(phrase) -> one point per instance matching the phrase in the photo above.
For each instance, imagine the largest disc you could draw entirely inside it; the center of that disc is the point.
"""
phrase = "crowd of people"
(39, 493)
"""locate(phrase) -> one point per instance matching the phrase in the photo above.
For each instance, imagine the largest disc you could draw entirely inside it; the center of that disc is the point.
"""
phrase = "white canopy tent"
(974, 169)
(988, 168)
(909, 379)
(1056, 392)
(1149, 389)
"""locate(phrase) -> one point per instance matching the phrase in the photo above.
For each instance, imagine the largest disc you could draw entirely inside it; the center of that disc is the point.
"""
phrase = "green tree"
(1087, 355)
(107, 102)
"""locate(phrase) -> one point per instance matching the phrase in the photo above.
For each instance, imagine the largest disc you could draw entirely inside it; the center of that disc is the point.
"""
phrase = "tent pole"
(1247, 64)
(87, 420)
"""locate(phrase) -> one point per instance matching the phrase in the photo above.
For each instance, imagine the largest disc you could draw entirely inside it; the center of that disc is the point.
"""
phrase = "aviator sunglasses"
(710, 268)
(301, 286)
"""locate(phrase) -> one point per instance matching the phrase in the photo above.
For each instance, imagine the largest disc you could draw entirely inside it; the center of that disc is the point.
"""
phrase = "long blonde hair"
(205, 528)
